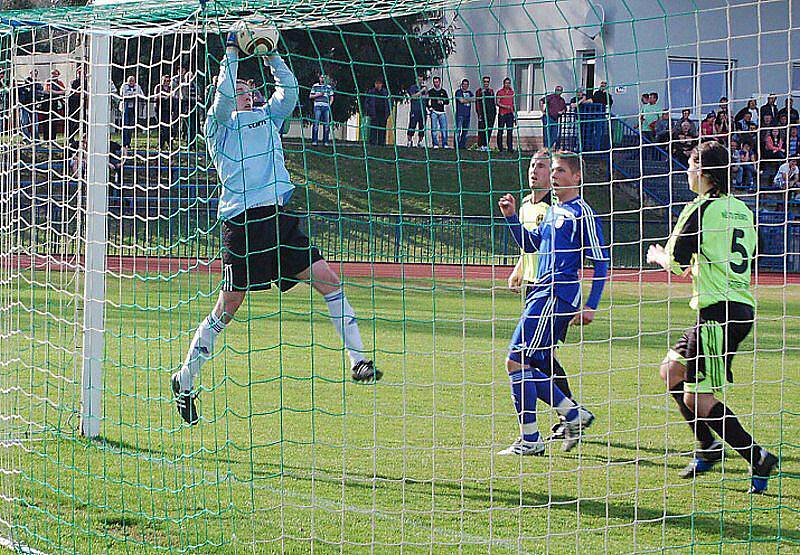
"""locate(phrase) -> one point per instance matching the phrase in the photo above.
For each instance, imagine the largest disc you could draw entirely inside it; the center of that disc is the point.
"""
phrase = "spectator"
(789, 113)
(651, 111)
(54, 90)
(552, 106)
(683, 142)
(751, 109)
(722, 125)
(602, 96)
(723, 106)
(579, 98)
(773, 147)
(180, 98)
(747, 158)
(30, 93)
(77, 103)
(707, 127)
(788, 176)
(770, 108)
(437, 100)
(130, 92)
(746, 129)
(487, 110)
(662, 128)
(258, 95)
(736, 163)
(378, 109)
(416, 118)
(685, 117)
(793, 143)
(163, 98)
(464, 99)
(322, 96)
(505, 115)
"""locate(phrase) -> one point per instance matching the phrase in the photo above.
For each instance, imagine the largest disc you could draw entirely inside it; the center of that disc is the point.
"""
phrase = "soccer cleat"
(761, 471)
(703, 461)
(185, 401)
(557, 432)
(524, 448)
(573, 429)
(364, 371)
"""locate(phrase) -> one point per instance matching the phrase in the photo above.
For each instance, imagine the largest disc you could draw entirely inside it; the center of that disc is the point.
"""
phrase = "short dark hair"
(572, 160)
(486, 78)
(714, 161)
(654, 94)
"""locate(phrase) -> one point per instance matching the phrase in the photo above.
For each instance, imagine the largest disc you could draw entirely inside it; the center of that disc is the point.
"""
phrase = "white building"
(691, 52)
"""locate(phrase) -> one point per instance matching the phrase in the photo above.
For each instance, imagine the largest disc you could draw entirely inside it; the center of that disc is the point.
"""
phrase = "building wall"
(760, 39)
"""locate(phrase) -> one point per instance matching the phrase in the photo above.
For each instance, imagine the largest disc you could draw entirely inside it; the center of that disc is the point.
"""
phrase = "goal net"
(400, 125)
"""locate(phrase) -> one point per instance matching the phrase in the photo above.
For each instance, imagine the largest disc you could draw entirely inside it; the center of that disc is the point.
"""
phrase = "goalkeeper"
(262, 243)
(715, 239)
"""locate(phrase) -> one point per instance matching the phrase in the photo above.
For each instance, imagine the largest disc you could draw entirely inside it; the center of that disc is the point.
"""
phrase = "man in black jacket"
(378, 109)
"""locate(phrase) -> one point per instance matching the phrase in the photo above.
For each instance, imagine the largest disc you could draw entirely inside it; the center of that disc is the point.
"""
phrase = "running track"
(169, 265)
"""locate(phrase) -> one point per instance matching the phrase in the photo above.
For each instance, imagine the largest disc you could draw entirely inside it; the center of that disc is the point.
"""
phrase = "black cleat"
(761, 471)
(364, 371)
(185, 401)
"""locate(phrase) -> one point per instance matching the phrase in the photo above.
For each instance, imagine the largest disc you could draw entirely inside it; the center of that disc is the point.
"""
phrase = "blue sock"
(523, 391)
(548, 392)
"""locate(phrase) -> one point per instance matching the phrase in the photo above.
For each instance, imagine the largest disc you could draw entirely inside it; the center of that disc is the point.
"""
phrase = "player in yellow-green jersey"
(523, 277)
(715, 240)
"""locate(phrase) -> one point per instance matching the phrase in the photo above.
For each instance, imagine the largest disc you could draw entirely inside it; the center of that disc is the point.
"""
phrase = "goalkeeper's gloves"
(231, 39)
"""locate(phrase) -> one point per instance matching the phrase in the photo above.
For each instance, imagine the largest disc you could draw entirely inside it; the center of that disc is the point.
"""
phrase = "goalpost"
(110, 251)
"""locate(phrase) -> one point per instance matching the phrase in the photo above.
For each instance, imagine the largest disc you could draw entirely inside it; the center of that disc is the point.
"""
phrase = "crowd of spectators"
(762, 140)
(49, 108)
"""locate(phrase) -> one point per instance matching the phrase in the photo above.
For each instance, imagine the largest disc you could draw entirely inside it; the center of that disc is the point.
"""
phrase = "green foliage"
(354, 55)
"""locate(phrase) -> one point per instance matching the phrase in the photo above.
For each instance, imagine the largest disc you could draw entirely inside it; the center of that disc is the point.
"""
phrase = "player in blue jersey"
(569, 233)
(262, 243)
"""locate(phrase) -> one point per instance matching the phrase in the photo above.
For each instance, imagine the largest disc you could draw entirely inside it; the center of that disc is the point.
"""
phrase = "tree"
(354, 55)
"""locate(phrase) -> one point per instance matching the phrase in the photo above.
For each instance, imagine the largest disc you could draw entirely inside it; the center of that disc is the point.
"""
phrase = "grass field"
(292, 457)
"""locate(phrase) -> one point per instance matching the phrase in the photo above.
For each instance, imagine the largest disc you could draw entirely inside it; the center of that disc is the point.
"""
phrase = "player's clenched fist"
(508, 205)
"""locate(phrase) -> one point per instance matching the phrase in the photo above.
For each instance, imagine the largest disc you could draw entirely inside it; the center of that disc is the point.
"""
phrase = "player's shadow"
(532, 500)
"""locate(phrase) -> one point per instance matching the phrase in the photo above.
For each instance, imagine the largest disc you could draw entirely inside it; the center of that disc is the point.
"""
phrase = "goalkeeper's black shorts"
(707, 348)
(262, 246)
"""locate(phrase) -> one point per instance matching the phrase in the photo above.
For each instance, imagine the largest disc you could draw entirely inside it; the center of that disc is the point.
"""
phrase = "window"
(587, 59)
(528, 82)
(697, 84)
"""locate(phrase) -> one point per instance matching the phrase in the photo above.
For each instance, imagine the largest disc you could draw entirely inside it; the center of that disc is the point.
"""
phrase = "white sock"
(200, 350)
(343, 318)
(565, 406)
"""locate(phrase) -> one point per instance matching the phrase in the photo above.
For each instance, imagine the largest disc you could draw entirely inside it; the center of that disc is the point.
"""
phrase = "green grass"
(401, 180)
(290, 456)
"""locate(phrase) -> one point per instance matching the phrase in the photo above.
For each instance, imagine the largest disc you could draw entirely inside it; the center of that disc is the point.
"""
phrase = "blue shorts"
(542, 325)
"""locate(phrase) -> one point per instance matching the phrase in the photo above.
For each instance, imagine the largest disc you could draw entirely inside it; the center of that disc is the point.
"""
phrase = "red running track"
(169, 265)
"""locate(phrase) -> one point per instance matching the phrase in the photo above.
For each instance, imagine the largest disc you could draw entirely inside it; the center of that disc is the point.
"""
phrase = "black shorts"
(707, 348)
(264, 245)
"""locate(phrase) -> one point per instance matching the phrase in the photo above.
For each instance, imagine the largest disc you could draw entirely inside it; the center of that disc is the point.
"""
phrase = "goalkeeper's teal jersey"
(246, 146)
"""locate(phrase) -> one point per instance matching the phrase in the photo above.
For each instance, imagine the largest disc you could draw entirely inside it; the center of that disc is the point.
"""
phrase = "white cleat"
(573, 429)
(524, 448)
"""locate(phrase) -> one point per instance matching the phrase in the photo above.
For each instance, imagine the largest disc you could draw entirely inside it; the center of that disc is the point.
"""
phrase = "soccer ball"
(257, 41)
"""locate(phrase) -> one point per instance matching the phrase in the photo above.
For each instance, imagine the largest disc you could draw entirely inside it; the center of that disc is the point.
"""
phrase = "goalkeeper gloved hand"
(231, 39)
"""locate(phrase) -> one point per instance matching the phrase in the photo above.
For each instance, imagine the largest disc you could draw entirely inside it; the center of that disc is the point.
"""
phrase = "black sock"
(699, 428)
(724, 422)
(560, 378)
